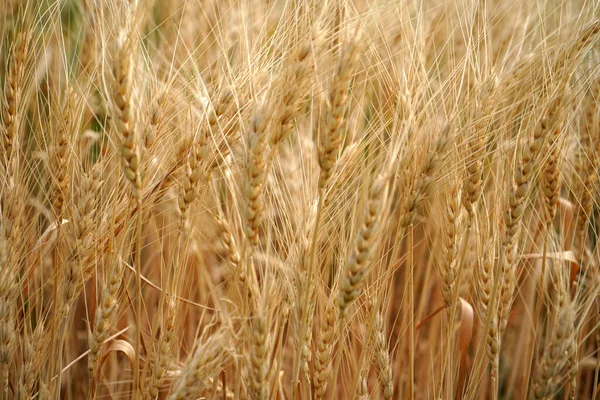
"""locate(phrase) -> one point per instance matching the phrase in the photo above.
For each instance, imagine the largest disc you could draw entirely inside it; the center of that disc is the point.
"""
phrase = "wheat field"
(299, 199)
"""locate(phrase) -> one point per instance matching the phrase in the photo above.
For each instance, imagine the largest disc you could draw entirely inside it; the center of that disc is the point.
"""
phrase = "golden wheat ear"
(325, 346)
(338, 96)
(360, 258)
(255, 180)
(13, 88)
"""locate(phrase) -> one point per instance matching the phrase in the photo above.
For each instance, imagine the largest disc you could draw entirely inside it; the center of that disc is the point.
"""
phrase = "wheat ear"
(259, 359)
(586, 169)
(103, 319)
(338, 97)
(324, 354)
(554, 358)
(360, 258)
(363, 387)
(422, 186)
(383, 362)
(292, 94)
(13, 87)
(255, 176)
(204, 364)
(165, 343)
(10, 241)
(124, 114)
(228, 239)
(33, 348)
(448, 268)
(517, 196)
(472, 184)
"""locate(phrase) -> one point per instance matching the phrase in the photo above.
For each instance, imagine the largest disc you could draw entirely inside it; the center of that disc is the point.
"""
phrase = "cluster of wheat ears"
(299, 199)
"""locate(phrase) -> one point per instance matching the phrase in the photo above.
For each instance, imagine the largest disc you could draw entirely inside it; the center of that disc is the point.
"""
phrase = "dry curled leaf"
(568, 256)
(465, 334)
